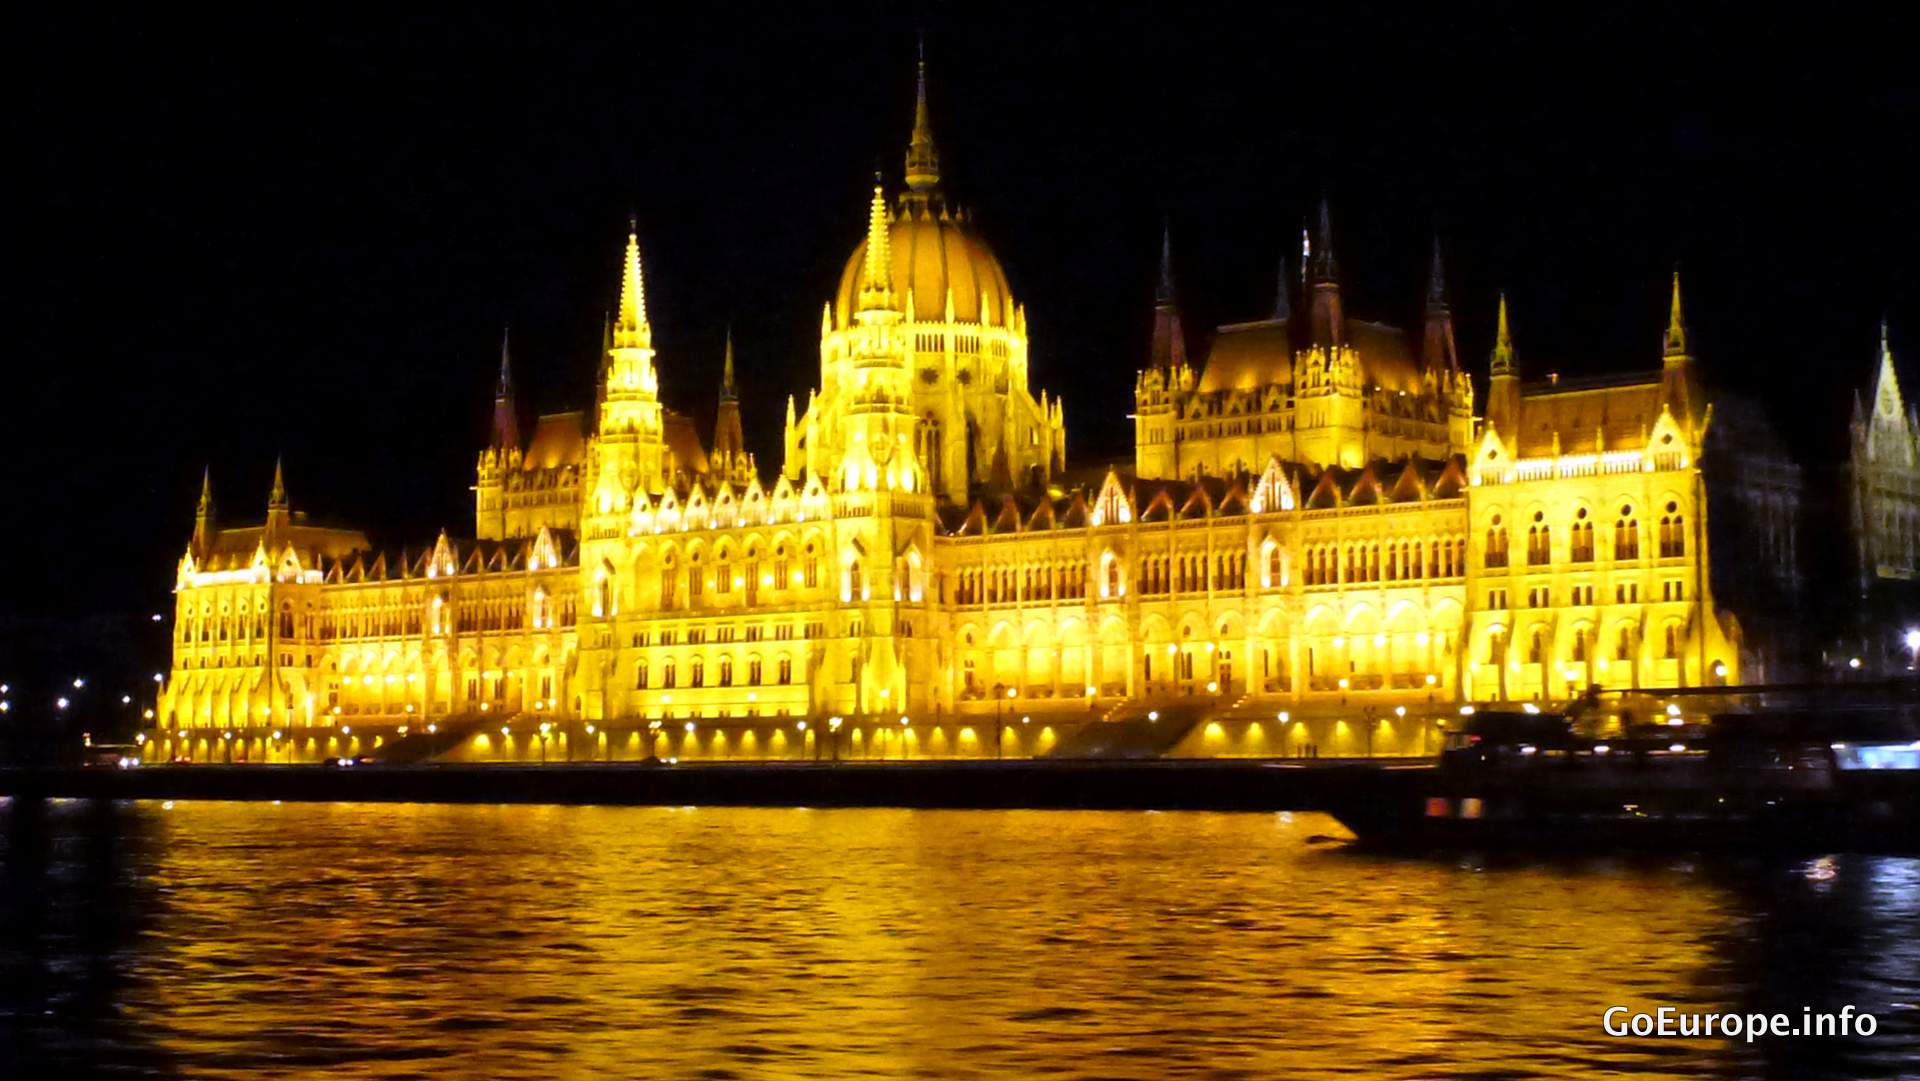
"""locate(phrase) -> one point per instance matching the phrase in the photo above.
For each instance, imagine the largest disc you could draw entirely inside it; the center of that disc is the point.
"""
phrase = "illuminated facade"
(1319, 549)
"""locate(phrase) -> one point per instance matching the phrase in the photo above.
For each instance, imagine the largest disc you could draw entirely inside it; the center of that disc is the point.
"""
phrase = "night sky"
(302, 231)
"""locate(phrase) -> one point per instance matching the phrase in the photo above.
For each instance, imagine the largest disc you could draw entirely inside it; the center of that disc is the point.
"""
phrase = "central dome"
(933, 251)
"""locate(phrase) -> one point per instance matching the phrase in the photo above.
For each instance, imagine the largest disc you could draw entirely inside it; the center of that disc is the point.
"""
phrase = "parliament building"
(1330, 542)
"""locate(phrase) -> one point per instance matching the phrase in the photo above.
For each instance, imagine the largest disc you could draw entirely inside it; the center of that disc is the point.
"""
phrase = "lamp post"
(833, 727)
(1913, 649)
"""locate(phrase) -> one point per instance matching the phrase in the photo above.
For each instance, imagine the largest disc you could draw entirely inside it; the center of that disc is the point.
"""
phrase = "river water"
(225, 940)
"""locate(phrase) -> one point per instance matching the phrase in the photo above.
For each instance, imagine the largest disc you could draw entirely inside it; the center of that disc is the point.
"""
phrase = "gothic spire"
(1437, 351)
(1164, 294)
(1325, 268)
(1328, 324)
(727, 393)
(205, 507)
(1676, 343)
(506, 425)
(1169, 340)
(1503, 361)
(277, 497)
(1282, 303)
(631, 328)
(923, 158)
(876, 283)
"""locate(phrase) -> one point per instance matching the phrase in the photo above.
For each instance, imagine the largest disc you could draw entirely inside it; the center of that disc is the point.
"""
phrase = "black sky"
(301, 231)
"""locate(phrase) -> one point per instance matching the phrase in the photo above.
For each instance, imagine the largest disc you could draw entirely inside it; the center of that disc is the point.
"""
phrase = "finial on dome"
(923, 158)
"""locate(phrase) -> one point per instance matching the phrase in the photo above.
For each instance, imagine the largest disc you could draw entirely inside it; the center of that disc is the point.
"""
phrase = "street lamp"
(1913, 647)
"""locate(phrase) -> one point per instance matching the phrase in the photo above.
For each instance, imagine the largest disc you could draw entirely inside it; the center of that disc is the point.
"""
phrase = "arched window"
(1672, 649)
(698, 671)
(753, 671)
(1626, 535)
(1580, 645)
(726, 671)
(1673, 539)
(1275, 572)
(1537, 646)
(856, 582)
(1581, 550)
(1496, 544)
(1539, 541)
(667, 675)
(640, 676)
(813, 568)
(286, 621)
(786, 670)
(1113, 577)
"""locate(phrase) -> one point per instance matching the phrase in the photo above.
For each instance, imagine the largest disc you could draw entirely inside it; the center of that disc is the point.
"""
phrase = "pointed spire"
(506, 423)
(1436, 279)
(1437, 351)
(206, 493)
(277, 497)
(505, 386)
(1306, 251)
(727, 393)
(1165, 293)
(1328, 326)
(1169, 340)
(1282, 303)
(631, 328)
(876, 287)
(1503, 361)
(1325, 269)
(1676, 343)
(203, 515)
(923, 158)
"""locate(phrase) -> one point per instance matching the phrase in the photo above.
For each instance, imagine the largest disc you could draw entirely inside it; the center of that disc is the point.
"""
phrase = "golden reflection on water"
(551, 942)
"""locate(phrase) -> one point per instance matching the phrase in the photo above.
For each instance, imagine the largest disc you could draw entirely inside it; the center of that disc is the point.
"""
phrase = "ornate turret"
(630, 430)
(876, 272)
(1329, 327)
(1437, 352)
(506, 422)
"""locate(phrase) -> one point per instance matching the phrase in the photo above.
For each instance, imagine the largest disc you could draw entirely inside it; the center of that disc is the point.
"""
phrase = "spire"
(1329, 327)
(729, 442)
(277, 497)
(1282, 305)
(631, 328)
(923, 158)
(1325, 269)
(1676, 343)
(1169, 340)
(1503, 362)
(203, 515)
(1165, 293)
(1437, 351)
(876, 288)
(506, 424)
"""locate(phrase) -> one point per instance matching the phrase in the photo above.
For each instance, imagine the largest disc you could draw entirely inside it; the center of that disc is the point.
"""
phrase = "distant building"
(1318, 548)
(1883, 491)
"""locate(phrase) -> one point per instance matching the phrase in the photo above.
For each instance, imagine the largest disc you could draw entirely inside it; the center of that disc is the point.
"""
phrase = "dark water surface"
(210, 940)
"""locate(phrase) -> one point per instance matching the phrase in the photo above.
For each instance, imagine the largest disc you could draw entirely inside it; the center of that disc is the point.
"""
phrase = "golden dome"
(932, 251)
